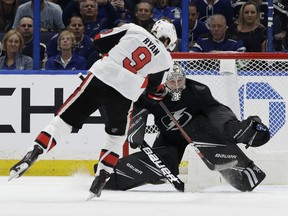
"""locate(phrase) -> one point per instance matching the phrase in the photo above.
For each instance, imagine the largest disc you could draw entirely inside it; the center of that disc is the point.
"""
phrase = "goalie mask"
(163, 29)
(175, 82)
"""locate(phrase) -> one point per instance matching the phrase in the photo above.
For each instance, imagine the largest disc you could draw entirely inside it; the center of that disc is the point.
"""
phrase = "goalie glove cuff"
(251, 132)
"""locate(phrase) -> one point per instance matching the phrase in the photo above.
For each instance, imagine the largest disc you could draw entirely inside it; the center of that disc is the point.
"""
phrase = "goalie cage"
(250, 84)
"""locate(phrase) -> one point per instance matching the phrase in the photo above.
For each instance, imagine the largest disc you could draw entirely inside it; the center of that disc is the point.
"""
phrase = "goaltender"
(212, 126)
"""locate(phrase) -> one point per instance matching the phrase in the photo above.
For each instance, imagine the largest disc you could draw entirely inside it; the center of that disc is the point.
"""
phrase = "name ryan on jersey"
(151, 46)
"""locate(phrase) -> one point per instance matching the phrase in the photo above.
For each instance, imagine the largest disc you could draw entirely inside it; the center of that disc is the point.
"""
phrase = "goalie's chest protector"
(128, 63)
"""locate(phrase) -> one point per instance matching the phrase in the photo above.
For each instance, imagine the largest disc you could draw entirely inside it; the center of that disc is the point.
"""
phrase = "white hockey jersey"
(127, 65)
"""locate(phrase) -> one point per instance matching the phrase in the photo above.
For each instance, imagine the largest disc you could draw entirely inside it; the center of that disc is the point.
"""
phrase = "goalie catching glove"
(251, 132)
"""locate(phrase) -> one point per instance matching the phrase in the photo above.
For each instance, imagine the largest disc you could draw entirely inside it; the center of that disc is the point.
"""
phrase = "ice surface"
(61, 196)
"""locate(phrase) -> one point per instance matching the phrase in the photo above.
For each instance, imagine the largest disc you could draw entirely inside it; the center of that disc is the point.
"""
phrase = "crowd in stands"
(69, 26)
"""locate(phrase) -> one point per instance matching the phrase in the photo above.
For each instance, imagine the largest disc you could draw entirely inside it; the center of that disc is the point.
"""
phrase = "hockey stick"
(211, 166)
(151, 154)
(80, 75)
(159, 163)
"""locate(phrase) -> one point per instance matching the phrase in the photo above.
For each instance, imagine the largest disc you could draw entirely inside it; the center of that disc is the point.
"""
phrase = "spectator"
(22, 1)
(123, 14)
(163, 9)
(89, 13)
(61, 3)
(2, 53)
(176, 3)
(280, 19)
(144, 14)
(209, 7)
(13, 59)
(25, 28)
(105, 9)
(217, 40)
(249, 29)
(196, 27)
(131, 5)
(66, 59)
(84, 44)
(51, 15)
(8, 10)
(71, 8)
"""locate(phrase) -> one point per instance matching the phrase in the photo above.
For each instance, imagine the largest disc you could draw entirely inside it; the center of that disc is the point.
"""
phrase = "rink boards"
(29, 101)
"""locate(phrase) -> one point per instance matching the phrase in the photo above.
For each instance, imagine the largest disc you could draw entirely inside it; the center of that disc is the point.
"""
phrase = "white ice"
(66, 196)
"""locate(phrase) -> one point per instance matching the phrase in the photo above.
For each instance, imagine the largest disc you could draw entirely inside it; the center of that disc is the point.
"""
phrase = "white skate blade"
(91, 196)
(14, 174)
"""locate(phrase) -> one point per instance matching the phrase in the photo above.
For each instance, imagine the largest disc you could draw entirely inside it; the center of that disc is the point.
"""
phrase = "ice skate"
(19, 168)
(98, 184)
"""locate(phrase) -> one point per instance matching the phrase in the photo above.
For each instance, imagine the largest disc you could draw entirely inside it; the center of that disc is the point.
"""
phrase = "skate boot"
(98, 184)
(19, 168)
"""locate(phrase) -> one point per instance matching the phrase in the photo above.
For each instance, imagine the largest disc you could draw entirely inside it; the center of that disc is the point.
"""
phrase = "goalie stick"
(211, 166)
(159, 163)
(151, 154)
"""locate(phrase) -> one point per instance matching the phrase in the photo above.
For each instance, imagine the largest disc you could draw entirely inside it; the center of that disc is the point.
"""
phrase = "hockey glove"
(251, 132)
(158, 95)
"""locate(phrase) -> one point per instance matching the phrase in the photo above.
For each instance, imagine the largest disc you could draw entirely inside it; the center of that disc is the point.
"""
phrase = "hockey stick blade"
(159, 163)
(211, 166)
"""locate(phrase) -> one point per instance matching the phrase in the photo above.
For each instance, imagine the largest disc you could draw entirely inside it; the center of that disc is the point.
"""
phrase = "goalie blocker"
(136, 169)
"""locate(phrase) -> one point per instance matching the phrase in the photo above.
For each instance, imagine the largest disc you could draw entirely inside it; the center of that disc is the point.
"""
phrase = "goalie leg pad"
(244, 179)
(136, 169)
(250, 131)
(210, 142)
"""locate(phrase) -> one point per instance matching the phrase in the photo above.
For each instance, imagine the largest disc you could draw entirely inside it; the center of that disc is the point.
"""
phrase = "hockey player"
(212, 126)
(134, 60)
